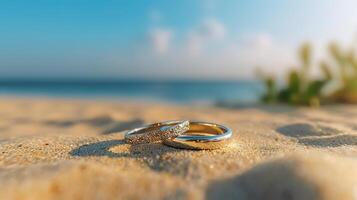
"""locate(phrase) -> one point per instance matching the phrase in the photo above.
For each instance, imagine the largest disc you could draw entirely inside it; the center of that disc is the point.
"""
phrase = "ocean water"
(173, 91)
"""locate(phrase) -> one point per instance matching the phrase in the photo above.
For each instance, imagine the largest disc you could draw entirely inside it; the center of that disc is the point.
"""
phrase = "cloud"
(197, 40)
(206, 51)
(160, 40)
(209, 31)
(212, 28)
(194, 44)
(231, 59)
(261, 40)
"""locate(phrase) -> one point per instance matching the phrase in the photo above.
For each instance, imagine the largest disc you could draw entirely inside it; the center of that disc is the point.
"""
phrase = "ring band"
(156, 132)
(202, 135)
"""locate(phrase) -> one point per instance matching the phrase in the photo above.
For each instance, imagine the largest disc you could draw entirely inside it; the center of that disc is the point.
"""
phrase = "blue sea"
(167, 91)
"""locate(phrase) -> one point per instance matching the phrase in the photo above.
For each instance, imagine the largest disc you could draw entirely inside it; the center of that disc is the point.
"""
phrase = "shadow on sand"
(275, 180)
(317, 135)
(105, 122)
(151, 152)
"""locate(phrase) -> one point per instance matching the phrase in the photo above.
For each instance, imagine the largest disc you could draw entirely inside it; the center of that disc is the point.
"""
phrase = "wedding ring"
(201, 135)
(156, 132)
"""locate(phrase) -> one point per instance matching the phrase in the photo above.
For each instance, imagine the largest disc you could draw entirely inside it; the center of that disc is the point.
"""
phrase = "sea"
(166, 91)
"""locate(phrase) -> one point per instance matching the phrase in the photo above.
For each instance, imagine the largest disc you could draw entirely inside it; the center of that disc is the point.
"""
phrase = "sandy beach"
(74, 149)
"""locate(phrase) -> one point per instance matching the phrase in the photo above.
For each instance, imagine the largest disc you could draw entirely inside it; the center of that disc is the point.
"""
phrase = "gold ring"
(201, 135)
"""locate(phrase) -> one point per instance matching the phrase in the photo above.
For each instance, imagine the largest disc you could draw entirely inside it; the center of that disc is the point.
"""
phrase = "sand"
(74, 149)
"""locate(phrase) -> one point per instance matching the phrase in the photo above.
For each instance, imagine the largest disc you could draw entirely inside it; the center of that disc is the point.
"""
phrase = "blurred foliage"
(337, 82)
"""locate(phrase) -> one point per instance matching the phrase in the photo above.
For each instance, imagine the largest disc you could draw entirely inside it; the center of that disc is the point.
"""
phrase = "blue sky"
(193, 39)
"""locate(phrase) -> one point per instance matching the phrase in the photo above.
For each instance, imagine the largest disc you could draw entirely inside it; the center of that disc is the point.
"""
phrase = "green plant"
(299, 88)
(346, 63)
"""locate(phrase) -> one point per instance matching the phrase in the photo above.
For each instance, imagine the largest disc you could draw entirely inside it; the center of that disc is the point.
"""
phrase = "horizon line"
(118, 80)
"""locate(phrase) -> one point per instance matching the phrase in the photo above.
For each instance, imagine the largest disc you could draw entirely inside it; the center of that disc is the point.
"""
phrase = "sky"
(165, 40)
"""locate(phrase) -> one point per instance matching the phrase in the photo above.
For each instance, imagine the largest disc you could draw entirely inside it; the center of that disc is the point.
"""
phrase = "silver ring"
(156, 132)
(202, 135)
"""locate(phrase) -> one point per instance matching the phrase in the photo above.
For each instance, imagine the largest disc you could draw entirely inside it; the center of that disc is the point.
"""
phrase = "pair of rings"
(182, 134)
